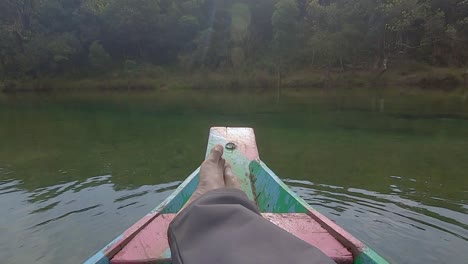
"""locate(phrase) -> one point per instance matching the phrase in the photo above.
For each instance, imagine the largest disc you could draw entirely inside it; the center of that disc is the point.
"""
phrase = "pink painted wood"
(336, 231)
(129, 234)
(304, 227)
(150, 244)
(243, 137)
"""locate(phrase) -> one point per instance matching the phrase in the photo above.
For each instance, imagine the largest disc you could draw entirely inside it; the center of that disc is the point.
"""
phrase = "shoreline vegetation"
(153, 78)
(137, 45)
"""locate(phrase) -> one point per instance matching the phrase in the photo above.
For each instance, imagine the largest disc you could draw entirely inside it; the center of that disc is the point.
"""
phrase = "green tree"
(133, 28)
(46, 37)
(98, 57)
(284, 22)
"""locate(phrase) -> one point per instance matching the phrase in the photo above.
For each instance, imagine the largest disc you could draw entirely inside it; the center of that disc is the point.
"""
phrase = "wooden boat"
(146, 240)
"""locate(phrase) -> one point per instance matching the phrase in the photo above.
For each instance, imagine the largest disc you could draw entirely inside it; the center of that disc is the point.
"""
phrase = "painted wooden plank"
(369, 256)
(339, 233)
(294, 221)
(242, 137)
(273, 195)
(177, 200)
(100, 257)
(245, 151)
(129, 234)
(172, 203)
(304, 227)
(180, 196)
(149, 245)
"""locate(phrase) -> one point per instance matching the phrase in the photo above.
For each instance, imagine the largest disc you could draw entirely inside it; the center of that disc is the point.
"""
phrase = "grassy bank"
(156, 78)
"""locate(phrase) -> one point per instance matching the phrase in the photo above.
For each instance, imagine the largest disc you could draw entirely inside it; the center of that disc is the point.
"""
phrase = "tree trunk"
(382, 105)
(465, 87)
(40, 84)
(313, 57)
(3, 81)
(2, 69)
(26, 14)
(327, 79)
(341, 63)
(279, 85)
(379, 96)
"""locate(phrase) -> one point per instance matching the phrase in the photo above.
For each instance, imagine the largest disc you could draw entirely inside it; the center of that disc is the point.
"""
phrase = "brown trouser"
(224, 226)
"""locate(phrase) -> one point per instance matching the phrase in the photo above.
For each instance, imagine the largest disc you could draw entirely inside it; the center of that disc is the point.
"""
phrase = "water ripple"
(40, 220)
(395, 215)
(45, 208)
(126, 205)
(65, 215)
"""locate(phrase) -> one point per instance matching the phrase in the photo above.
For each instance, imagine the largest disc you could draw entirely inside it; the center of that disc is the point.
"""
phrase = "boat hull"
(273, 197)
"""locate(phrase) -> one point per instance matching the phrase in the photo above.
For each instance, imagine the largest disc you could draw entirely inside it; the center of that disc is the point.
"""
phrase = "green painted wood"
(237, 159)
(263, 186)
(272, 195)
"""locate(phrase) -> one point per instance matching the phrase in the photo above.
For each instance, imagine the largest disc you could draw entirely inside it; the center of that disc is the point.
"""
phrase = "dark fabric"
(224, 226)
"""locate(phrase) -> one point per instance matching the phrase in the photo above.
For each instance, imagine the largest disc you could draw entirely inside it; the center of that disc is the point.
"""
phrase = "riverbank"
(157, 78)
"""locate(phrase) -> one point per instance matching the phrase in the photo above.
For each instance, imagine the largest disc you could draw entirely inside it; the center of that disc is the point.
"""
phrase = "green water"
(75, 171)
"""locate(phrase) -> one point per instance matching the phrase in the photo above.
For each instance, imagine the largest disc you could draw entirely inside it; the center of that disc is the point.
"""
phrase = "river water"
(75, 171)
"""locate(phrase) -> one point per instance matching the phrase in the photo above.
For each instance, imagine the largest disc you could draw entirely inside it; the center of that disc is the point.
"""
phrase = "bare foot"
(211, 174)
(230, 180)
(212, 171)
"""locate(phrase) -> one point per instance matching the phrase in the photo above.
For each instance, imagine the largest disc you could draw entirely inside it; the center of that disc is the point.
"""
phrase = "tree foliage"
(50, 37)
(98, 57)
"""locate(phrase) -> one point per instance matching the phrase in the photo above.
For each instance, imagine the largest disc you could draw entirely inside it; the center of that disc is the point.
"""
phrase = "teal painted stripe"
(100, 257)
(166, 254)
(180, 196)
(369, 256)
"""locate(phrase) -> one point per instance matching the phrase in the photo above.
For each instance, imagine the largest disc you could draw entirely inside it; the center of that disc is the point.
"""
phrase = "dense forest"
(91, 37)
